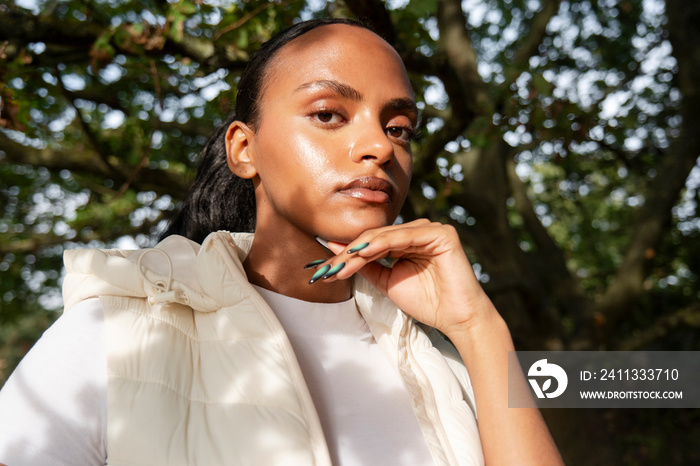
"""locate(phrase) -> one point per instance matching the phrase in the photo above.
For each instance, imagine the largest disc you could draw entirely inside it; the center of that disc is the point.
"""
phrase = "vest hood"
(175, 270)
(179, 270)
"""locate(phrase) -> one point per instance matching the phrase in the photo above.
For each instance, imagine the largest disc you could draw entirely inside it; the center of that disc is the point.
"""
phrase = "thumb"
(376, 274)
(335, 247)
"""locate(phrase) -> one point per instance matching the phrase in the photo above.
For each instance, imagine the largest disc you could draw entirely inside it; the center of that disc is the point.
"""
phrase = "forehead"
(349, 54)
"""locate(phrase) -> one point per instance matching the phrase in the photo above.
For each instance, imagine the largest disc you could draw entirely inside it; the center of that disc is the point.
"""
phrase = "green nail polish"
(334, 270)
(359, 247)
(388, 261)
(319, 273)
(314, 263)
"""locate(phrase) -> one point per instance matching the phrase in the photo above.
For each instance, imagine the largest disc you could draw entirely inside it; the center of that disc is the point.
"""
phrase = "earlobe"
(238, 150)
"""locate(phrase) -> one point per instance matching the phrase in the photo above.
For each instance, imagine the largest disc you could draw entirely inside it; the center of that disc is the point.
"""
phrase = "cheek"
(408, 168)
(404, 172)
(316, 158)
(283, 147)
(308, 152)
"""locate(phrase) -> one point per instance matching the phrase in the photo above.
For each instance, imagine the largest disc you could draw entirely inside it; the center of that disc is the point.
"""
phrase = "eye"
(324, 117)
(400, 132)
(327, 117)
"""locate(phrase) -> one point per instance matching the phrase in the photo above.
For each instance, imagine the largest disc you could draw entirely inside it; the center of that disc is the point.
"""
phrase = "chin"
(346, 230)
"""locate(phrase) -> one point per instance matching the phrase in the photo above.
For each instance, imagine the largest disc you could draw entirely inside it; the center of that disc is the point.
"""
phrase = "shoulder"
(52, 407)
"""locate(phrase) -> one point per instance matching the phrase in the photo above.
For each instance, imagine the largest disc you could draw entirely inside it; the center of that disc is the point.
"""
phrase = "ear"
(239, 154)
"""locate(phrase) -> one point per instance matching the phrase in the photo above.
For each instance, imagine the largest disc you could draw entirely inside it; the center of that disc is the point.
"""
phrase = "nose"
(372, 144)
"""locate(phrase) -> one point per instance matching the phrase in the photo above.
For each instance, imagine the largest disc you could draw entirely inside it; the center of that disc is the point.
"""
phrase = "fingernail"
(388, 261)
(319, 273)
(315, 263)
(359, 247)
(322, 242)
(334, 270)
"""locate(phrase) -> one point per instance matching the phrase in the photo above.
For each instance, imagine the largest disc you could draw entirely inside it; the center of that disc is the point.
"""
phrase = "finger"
(355, 264)
(375, 274)
(346, 262)
(396, 241)
(335, 247)
(426, 239)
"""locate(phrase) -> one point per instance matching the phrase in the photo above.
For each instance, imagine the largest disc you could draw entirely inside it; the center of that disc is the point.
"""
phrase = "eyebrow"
(401, 104)
(341, 89)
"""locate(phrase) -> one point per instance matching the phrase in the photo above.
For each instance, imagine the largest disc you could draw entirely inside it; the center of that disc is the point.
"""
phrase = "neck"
(276, 262)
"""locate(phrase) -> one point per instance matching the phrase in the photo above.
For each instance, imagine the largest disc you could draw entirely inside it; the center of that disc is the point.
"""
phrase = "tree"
(560, 138)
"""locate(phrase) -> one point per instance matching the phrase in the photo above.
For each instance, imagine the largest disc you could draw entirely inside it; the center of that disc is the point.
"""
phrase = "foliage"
(559, 137)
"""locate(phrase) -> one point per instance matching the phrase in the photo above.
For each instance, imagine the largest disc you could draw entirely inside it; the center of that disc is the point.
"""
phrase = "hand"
(431, 280)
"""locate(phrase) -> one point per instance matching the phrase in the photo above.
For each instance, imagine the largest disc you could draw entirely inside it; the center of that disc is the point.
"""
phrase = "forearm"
(508, 435)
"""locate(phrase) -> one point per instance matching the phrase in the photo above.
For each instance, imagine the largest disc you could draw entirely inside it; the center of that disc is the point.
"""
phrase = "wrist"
(485, 323)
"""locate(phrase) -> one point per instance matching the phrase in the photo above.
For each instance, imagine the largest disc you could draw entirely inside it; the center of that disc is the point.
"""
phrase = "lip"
(369, 189)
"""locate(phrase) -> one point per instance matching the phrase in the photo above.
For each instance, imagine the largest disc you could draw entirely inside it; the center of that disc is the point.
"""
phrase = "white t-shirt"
(363, 405)
(53, 407)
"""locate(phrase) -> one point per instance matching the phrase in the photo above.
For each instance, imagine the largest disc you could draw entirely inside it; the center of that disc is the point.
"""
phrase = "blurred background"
(560, 138)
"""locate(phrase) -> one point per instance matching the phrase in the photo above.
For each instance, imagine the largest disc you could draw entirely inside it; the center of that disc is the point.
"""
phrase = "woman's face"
(332, 145)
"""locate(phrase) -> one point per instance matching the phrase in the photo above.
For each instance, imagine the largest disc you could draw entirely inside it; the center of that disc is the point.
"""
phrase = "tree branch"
(249, 16)
(538, 31)
(561, 283)
(191, 126)
(522, 301)
(99, 94)
(92, 137)
(689, 316)
(84, 162)
(664, 190)
(434, 145)
(24, 28)
(431, 111)
(457, 69)
(11, 244)
(146, 156)
(32, 244)
(374, 12)
(460, 73)
(81, 35)
(418, 63)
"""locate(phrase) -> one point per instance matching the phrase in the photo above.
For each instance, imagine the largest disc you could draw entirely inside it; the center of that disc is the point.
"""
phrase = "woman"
(232, 352)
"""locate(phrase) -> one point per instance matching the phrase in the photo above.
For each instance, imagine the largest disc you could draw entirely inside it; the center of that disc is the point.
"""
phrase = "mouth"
(369, 189)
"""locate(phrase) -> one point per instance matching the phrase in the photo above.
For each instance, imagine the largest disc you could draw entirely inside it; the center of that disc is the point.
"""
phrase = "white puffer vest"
(200, 371)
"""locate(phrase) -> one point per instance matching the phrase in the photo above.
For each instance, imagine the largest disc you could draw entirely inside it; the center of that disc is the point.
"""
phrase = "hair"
(218, 199)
